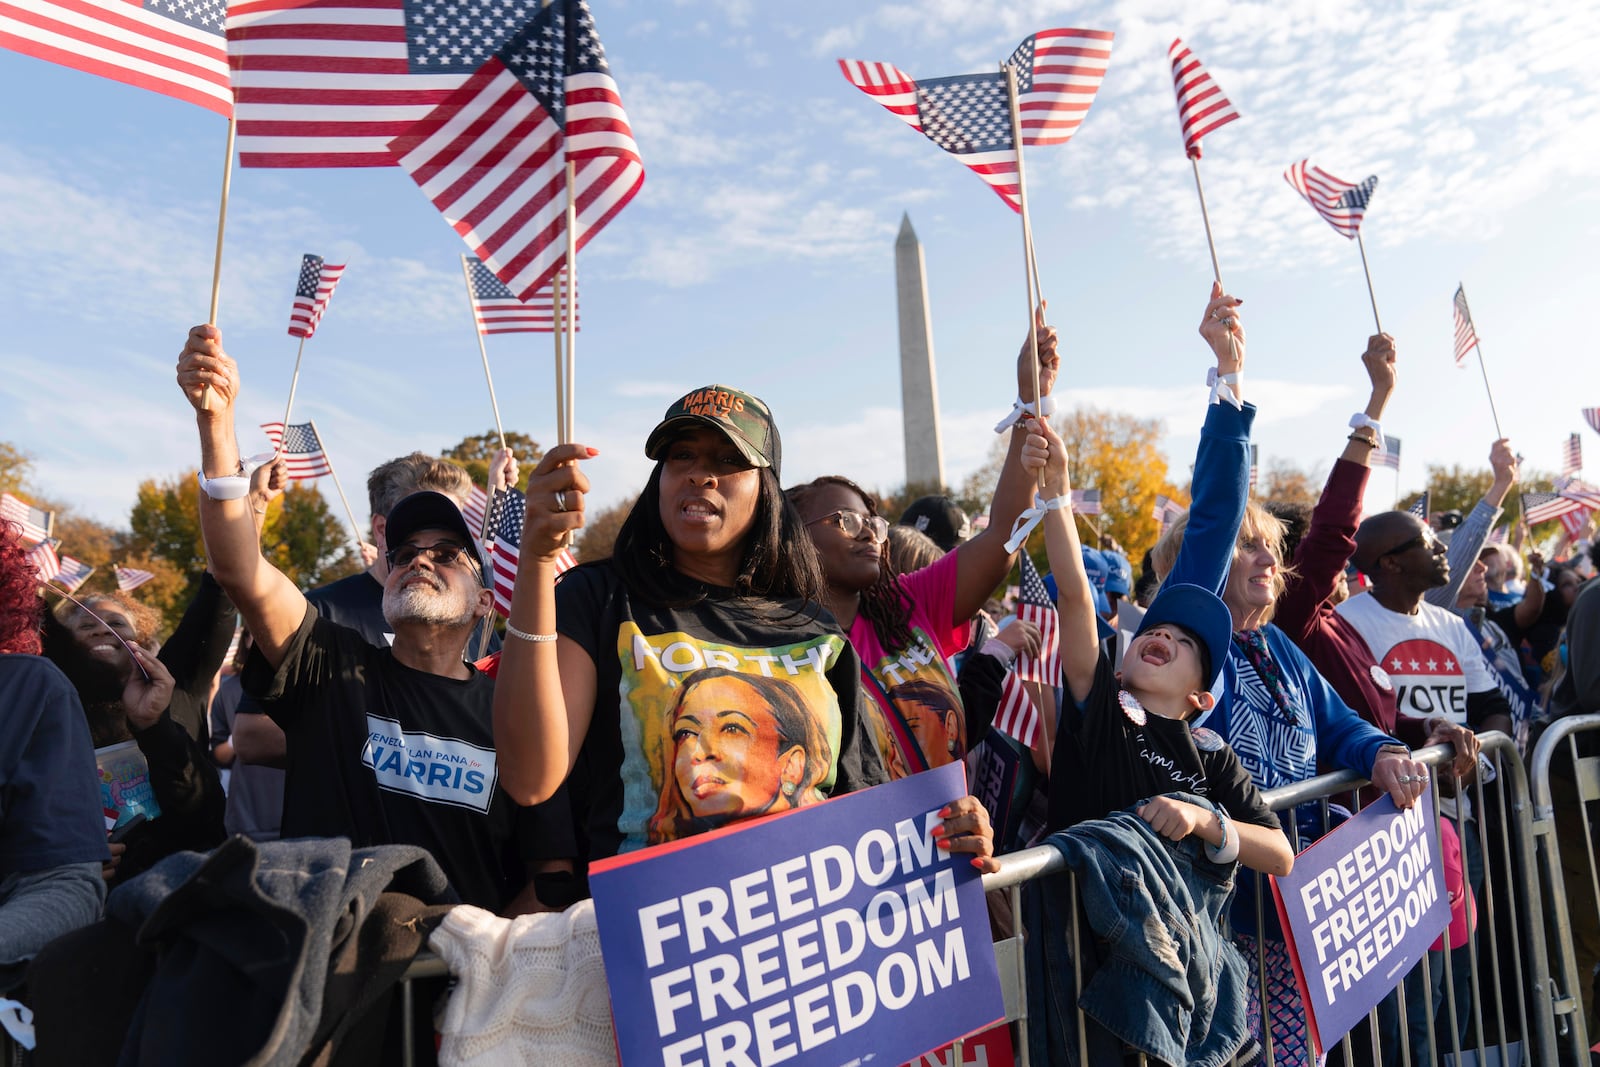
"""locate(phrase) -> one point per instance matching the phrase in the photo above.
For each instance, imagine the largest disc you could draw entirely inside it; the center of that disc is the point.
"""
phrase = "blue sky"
(760, 250)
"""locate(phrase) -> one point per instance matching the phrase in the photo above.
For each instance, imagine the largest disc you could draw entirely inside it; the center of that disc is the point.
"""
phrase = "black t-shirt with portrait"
(384, 754)
(650, 769)
(1105, 761)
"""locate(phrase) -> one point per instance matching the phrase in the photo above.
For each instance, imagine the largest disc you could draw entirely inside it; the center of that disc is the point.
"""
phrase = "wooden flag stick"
(1027, 233)
(557, 325)
(466, 275)
(294, 383)
(572, 305)
(1370, 294)
(348, 510)
(206, 394)
(1211, 246)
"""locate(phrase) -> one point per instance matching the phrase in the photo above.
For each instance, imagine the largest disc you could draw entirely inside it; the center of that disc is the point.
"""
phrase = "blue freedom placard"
(1361, 907)
(835, 934)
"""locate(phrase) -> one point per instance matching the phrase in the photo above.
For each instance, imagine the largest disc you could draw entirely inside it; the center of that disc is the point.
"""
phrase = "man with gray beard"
(385, 744)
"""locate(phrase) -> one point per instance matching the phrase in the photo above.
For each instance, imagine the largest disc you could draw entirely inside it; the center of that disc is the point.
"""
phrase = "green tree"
(15, 467)
(1285, 483)
(474, 454)
(1458, 488)
(305, 540)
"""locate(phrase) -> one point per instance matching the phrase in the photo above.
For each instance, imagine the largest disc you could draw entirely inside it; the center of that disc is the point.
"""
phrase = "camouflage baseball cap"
(744, 419)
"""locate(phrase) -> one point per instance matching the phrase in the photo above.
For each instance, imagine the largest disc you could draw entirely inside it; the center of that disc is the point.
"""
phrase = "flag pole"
(348, 510)
(572, 310)
(1370, 294)
(494, 403)
(1027, 237)
(294, 382)
(1478, 346)
(557, 325)
(1211, 246)
(206, 394)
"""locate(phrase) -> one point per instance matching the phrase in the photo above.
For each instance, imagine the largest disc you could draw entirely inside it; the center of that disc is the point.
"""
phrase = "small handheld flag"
(1466, 336)
(1389, 454)
(1034, 605)
(1201, 106)
(505, 546)
(34, 523)
(1592, 417)
(496, 310)
(1341, 204)
(131, 578)
(301, 448)
(1572, 455)
(312, 291)
(45, 562)
(1419, 507)
(72, 574)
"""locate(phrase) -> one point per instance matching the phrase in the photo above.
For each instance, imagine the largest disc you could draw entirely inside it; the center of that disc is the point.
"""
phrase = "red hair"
(21, 607)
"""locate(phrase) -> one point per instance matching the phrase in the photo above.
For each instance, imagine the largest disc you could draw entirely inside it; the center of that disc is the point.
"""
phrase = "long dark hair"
(776, 562)
(884, 603)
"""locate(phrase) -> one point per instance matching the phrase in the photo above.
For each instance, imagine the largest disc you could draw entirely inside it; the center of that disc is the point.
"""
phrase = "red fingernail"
(944, 812)
(938, 832)
(593, 451)
(942, 843)
(977, 863)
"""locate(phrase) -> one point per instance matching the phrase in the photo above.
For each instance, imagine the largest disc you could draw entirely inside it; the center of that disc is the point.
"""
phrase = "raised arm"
(1330, 541)
(1079, 632)
(1470, 536)
(545, 690)
(270, 604)
(982, 563)
(1221, 484)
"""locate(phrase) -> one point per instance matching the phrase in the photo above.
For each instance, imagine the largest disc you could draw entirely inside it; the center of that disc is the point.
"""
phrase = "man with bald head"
(1434, 663)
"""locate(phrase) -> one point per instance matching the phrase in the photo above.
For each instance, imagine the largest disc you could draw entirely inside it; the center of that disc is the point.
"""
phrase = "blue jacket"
(1168, 983)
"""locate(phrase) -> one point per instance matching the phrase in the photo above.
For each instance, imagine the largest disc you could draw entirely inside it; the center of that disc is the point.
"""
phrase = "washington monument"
(919, 390)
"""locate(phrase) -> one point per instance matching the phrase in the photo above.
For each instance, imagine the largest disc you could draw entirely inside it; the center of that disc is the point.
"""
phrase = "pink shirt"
(915, 712)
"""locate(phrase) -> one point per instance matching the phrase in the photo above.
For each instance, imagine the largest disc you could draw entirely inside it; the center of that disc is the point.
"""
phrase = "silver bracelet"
(525, 635)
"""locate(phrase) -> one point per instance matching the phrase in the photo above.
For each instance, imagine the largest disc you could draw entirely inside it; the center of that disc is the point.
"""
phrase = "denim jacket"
(1168, 983)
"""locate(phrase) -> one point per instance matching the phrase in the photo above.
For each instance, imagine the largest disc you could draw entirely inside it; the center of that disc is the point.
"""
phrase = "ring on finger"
(561, 500)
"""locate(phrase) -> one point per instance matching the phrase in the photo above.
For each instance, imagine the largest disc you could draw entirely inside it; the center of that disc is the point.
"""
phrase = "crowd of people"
(746, 649)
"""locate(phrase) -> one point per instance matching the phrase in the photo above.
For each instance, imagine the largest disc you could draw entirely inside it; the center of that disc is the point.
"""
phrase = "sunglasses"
(1427, 539)
(853, 523)
(444, 554)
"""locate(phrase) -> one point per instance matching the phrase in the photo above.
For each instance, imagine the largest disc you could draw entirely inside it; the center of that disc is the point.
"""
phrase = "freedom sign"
(834, 934)
(1361, 907)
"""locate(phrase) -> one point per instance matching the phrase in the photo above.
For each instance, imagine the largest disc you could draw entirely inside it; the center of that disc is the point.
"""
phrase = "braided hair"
(884, 603)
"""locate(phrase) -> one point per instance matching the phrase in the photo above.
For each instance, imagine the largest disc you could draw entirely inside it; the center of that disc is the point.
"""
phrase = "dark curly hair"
(884, 603)
(21, 607)
(776, 561)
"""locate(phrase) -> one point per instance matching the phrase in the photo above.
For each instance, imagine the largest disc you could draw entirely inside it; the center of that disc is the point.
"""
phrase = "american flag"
(505, 546)
(1500, 535)
(131, 578)
(172, 47)
(72, 573)
(1255, 465)
(1466, 336)
(493, 155)
(1167, 511)
(327, 83)
(1017, 716)
(1542, 507)
(301, 449)
(1572, 455)
(1420, 506)
(1034, 605)
(1086, 501)
(1389, 454)
(34, 523)
(1340, 203)
(477, 504)
(1592, 417)
(312, 292)
(497, 311)
(1574, 522)
(1058, 73)
(43, 558)
(1201, 105)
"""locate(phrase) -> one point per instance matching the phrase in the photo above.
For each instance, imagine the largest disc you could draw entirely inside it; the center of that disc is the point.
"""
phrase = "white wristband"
(999, 650)
(1046, 408)
(1228, 851)
(1361, 420)
(1031, 517)
(233, 486)
(1219, 384)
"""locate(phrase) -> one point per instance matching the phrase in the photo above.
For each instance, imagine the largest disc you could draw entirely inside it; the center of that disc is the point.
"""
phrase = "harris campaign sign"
(1361, 907)
(831, 935)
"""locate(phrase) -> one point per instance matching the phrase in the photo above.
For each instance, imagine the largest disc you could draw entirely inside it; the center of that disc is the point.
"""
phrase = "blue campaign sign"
(835, 934)
(1361, 907)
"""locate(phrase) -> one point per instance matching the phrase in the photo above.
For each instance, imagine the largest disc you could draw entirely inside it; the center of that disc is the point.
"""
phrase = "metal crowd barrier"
(1573, 890)
(1515, 1011)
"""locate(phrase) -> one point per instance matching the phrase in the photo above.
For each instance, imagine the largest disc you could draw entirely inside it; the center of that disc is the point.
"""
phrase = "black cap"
(940, 518)
(428, 510)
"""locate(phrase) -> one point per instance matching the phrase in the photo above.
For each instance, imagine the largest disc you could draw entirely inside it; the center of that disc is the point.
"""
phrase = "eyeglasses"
(444, 553)
(1425, 538)
(853, 523)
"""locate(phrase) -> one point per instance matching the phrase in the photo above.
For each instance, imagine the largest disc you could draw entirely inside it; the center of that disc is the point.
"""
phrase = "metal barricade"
(1569, 869)
(1510, 987)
